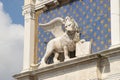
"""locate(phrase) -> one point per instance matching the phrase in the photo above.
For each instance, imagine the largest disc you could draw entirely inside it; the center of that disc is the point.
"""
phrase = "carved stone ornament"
(42, 4)
(65, 40)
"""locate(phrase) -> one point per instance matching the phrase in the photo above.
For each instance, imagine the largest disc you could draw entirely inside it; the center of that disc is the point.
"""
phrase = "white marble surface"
(29, 36)
(83, 48)
(115, 23)
(103, 65)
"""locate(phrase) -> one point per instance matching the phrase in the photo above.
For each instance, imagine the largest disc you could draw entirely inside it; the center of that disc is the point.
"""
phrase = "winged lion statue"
(64, 41)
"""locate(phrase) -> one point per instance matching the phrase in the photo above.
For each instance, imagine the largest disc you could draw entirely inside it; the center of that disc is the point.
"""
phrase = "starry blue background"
(92, 16)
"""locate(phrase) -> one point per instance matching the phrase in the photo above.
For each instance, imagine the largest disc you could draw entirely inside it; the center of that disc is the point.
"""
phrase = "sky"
(14, 9)
(11, 38)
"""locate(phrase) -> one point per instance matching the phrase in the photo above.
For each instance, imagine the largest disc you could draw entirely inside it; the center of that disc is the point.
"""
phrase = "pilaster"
(29, 34)
(115, 23)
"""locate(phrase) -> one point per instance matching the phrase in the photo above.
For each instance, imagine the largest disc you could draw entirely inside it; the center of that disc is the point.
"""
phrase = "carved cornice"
(47, 4)
(43, 4)
(28, 9)
(93, 57)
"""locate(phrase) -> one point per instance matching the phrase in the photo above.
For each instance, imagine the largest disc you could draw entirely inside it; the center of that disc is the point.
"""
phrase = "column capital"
(29, 11)
(30, 8)
(26, 2)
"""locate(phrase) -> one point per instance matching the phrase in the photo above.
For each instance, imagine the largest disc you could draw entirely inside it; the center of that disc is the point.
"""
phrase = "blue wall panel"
(93, 18)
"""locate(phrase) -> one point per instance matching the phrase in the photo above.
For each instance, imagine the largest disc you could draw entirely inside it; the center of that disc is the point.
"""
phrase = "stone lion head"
(70, 24)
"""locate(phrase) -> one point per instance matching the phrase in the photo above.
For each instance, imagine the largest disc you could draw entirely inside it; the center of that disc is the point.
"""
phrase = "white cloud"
(11, 46)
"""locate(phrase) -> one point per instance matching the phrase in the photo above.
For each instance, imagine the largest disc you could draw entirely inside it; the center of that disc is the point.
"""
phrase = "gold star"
(98, 48)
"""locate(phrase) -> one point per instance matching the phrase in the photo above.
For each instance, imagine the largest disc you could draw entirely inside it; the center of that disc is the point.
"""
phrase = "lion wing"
(54, 26)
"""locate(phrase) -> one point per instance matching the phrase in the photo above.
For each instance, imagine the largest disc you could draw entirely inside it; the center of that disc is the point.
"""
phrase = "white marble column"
(115, 23)
(29, 37)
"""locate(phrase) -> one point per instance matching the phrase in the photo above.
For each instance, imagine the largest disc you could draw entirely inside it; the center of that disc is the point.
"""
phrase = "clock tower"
(99, 22)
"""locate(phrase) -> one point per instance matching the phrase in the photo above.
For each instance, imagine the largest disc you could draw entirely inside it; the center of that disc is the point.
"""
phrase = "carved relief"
(29, 11)
(65, 41)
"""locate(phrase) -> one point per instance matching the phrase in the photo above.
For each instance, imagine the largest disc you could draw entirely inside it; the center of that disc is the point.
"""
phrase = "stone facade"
(102, 65)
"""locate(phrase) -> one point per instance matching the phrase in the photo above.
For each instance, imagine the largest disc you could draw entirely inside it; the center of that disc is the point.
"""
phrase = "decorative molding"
(23, 74)
(110, 52)
(26, 2)
(29, 9)
(51, 67)
(99, 57)
(45, 4)
(42, 4)
(37, 13)
(43, 7)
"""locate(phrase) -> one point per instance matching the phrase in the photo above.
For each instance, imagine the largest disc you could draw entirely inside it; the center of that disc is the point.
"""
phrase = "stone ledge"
(77, 60)
(57, 65)
(109, 52)
(67, 63)
(23, 74)
(105, 53)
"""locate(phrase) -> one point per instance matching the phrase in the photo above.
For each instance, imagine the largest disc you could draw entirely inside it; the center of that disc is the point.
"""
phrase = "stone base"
(101, 66)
